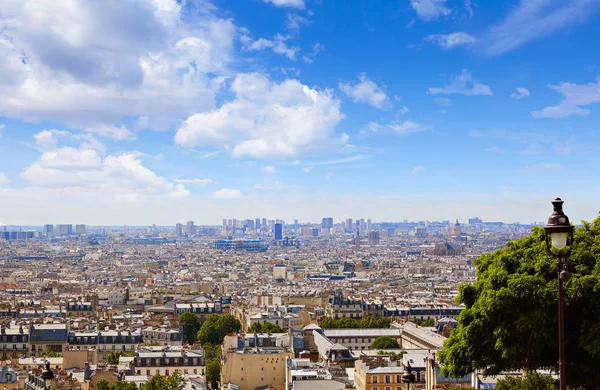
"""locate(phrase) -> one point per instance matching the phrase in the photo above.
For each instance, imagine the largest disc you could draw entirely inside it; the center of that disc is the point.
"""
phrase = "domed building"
(456, 229)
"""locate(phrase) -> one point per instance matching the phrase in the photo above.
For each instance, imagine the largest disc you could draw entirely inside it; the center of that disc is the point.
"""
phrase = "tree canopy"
(510, 319)
(343, 323)
(385, 342)
(216, 327)
(267, 327)
(533, 381)
(190, 323)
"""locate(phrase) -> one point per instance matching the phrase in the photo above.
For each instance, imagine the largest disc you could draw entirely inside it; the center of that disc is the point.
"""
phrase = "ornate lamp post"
(408, 377)
(47, 374)
(559, 234)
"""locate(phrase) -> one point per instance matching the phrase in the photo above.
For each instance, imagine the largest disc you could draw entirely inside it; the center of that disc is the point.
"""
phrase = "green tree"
(393, 355)
(533, 381)
(510, 317)
(102, 384)
(209, 332)
(155, 383)
(213, 372)
(385, 342)
(191, 325)
(175, 381)
(212, 351)
(265, 328)
(50, 354)
(122, 385)
(113, 356)
(228, 324)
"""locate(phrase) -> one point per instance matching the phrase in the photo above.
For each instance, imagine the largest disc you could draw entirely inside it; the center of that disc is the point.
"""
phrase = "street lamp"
(408, 377)
(47, 374)
(559, 234)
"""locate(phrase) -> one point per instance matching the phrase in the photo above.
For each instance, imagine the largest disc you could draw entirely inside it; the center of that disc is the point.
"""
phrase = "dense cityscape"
(74, 296)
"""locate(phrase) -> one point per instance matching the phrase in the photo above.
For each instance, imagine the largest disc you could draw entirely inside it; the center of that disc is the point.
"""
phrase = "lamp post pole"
(559, 234)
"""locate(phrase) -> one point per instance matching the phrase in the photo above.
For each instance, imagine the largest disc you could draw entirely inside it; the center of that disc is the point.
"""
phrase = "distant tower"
(357, 242)
(179, 229)
(456, 229)
(278, 229)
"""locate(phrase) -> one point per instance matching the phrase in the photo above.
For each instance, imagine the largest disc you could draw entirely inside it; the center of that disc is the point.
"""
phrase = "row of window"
(14, 346)
(166, 372)
(152, 362)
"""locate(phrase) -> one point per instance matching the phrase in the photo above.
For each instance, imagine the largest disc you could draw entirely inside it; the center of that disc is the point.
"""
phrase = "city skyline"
(159, 111)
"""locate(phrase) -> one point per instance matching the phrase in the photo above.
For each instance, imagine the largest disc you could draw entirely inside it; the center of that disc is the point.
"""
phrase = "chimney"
(21, 329)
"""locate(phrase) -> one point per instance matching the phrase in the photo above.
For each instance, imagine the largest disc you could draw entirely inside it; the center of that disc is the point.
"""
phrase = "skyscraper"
(369, 224)
(190, 228)
(80, 229)
(48, 230)
(64, 230)
(179, 229)
(349, 224)
(257, 223)
(278, 231)
(264, 224)
(362, 226)
(327, 223)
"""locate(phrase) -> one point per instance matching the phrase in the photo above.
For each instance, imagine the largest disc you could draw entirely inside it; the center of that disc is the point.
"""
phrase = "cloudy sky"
(160, 111)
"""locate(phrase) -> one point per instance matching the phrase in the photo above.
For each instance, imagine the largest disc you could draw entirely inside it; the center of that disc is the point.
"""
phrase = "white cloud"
(366, 91)
(469, 7)
(405, 127)
(418, 169)
(269, 169)
(449, 41)
(463, 84)
(533, 20)
(91, 65)
(403, 110)
(267, 119)
(270, 186)
(195, 182)
(122, 176)
(294, 22)
(46, 140)
(430, 9)
(3, 179)
(287, 3)
(574, 97)
(277, 45)
(520, 94)
(316, 49)
(228, 193)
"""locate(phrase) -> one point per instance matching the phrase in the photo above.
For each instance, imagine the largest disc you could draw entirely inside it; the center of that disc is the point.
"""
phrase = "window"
(148, 372)
(139, 372)
(195, 370)
(398, 378)
(388, 388)
(388, 379)
(375, 379)
(167, 372)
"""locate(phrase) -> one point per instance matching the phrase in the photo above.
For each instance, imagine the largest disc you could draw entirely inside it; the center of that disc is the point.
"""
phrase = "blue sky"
(159, 111)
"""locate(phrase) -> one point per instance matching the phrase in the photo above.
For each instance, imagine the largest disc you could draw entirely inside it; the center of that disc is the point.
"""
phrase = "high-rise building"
(374, 237)
(224, 223)
(278, 231)
(327, 223)
(48, 230)
(190, 228)
(264, 224)
(64, 230)
(295, 223)
(369, 224)
(80, 229)
(257, 223)
(234, 224)
(362, 226)
(179, 229)
(349, 224)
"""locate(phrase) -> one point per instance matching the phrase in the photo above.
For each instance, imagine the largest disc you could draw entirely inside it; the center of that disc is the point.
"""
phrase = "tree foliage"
(344, 323)
(216, 327)
(427, 322)
(385, 342)
(103, 384)
(173, 382)
(533, 381)
(510, 319)
(190, 325)
(267, 327)
(113, 356)
(213, 372)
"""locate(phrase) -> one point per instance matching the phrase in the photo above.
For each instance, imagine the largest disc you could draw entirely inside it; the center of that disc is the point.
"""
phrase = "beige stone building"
(250, 366)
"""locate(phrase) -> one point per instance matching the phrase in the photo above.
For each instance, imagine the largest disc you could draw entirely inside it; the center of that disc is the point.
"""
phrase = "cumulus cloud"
(575, 96)
(405, 127)
(123, 176)
(269, 169)
(463, 84)
(449, 41)
(520, 94)
(228, 193)
(195, 182)
(366, 91)
(90, 65)
(266, 119)
(430, 9)
(3, 179)
(287, 3)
